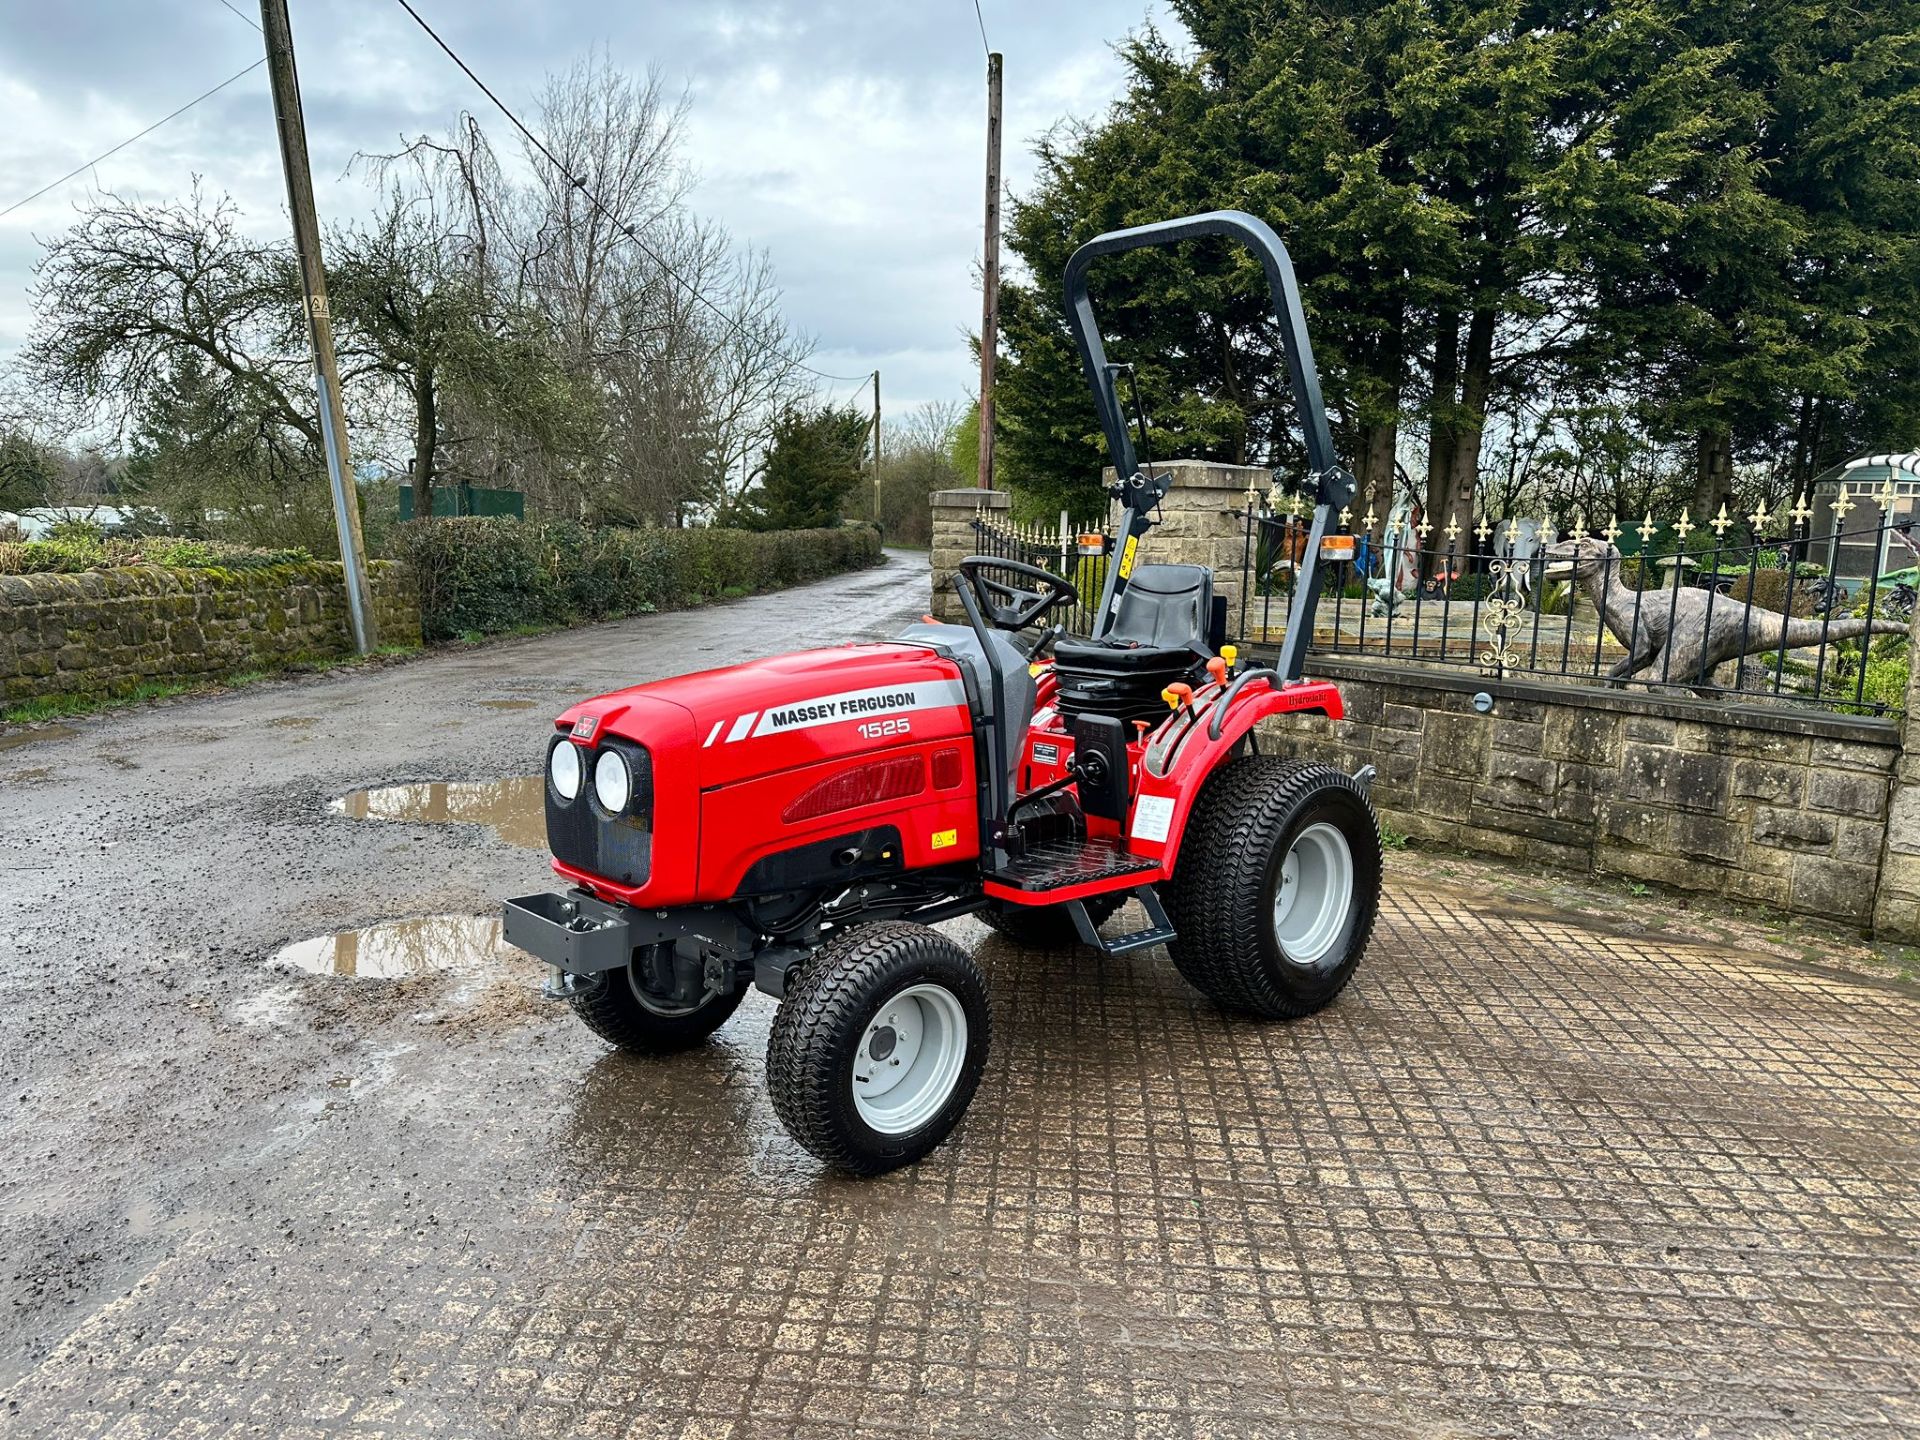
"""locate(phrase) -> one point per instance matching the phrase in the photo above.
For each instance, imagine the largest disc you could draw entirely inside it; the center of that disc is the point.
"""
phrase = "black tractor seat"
(1160, 638)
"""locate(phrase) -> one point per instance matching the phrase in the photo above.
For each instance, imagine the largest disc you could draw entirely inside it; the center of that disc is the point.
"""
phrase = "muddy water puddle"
(481, 979)
(403, 949)
(17, 738)
(514, 809)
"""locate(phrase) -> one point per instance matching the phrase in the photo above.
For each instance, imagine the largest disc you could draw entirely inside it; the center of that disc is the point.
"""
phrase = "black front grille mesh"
(582, 834)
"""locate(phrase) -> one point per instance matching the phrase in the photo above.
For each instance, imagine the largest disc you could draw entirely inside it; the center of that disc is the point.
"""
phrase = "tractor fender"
(1183, 754)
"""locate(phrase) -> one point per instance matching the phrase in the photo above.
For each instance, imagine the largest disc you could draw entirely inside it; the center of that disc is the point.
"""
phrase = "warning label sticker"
(1153, 818)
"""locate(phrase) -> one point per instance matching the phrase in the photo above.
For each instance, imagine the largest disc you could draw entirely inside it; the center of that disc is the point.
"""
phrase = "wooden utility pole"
(876, 447)
(306, 243)
(990, 275)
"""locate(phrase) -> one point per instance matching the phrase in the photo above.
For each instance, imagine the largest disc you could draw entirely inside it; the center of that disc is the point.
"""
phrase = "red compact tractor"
(800, 823)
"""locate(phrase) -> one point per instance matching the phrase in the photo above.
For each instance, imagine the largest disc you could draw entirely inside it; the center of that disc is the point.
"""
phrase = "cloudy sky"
(845, 138)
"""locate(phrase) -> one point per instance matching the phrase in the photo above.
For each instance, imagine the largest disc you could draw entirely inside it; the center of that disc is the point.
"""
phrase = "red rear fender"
(1182, 755)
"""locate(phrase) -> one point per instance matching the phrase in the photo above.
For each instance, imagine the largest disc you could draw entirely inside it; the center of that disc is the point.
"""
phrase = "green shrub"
(1469, 588)
(73, 547)
(1770, 591)
(482, 576)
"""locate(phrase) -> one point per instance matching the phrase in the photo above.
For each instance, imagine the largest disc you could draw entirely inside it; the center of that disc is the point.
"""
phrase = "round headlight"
(565, 770)
(613, 782)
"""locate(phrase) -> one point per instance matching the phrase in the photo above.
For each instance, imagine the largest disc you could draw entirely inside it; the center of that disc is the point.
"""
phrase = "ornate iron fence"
(1755, 607)
(1076, 552)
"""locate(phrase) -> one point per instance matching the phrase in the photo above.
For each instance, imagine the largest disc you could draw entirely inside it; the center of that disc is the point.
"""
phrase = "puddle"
(513, 809)
(507, 704)
(293, 722)
(38, 732)
(467, 945)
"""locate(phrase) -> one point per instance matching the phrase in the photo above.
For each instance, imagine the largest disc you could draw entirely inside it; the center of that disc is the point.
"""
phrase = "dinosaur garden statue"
(1683, 635)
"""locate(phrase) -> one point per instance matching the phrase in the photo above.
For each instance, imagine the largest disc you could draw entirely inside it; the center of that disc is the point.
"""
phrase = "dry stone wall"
(104, 632)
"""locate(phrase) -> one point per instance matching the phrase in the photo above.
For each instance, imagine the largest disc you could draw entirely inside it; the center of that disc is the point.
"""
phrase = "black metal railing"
(1723, 608)
(1075, 552)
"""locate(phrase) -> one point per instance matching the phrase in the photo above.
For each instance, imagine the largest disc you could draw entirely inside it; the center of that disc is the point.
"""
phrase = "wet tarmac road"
(1528, 1176)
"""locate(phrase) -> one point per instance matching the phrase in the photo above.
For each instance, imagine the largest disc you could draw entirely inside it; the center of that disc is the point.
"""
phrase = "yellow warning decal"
(1126, 557)
(945, 839)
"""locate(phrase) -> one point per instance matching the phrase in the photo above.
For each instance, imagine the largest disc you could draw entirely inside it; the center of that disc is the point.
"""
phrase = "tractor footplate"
(1057, 864)
(1159, 928)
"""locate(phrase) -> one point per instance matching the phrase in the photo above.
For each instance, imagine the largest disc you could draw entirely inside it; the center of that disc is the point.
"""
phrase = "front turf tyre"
(625, 1010)
(878, 1046)
(1046, 927)
(1276, 887)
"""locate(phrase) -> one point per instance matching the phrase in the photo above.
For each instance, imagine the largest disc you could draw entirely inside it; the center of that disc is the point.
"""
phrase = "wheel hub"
(909, 1059)
(1314, 896)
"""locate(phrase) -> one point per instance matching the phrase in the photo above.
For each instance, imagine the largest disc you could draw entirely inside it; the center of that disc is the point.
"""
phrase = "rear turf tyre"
(623, 1011)
(878, 1046)
(1046, 927)
(1276, 888)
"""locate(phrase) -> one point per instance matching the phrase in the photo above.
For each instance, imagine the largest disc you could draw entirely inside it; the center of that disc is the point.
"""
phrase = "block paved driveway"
(1531, 1175)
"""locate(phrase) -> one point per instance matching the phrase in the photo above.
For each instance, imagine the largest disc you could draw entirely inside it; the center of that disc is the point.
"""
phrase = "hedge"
(485, 575)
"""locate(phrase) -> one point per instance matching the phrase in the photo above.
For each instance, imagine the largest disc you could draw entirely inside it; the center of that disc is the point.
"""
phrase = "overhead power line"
(594, 200)
(242, 14)
(984, 44)
(82, 169)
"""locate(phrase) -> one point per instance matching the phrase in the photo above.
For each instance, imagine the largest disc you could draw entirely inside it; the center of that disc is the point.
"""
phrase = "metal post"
(306, 243)
(990, 276)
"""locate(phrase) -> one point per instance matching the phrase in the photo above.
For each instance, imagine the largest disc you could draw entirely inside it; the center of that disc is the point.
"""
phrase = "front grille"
(584, 835)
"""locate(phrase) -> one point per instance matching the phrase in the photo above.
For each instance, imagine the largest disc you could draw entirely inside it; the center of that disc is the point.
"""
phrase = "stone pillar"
(954, 512)
(1896, 901)
(1199, 524)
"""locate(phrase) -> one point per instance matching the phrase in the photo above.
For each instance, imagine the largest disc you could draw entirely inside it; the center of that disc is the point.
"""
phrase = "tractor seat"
(1160, 637)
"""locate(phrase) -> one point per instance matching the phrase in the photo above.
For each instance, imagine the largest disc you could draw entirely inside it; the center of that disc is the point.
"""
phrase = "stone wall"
(1780, 807)
(954, 538)
(105, 631)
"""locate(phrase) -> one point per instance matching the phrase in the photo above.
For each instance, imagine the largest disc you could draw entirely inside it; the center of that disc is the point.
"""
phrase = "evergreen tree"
(1695, 215)
(813, 461)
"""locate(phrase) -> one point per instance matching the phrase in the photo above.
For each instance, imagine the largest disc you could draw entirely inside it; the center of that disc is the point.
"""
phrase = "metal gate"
(1075, 551)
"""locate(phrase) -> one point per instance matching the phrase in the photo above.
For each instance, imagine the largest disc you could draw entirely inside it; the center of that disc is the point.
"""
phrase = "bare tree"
(130, 288)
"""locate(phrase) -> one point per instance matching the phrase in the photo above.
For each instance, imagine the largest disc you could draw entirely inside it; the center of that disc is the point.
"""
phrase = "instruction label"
(1153, 818)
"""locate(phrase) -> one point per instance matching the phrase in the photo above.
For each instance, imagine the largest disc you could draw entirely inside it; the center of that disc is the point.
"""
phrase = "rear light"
(870, 784)
(946, 769)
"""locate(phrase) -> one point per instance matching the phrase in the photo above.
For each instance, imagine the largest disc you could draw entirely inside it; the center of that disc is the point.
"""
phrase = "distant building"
(34, 524)
(1864, 545)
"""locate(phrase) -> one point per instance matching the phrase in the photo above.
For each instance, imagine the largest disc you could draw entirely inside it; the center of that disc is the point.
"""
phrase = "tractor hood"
(786, 711)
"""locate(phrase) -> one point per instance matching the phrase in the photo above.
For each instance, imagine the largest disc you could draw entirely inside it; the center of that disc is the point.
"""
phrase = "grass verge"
(68, 707)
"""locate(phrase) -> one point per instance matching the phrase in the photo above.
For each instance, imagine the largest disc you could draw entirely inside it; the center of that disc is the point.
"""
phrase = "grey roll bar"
(1333, 485)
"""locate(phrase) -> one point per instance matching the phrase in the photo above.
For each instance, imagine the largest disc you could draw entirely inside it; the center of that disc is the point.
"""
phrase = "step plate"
(1061, 863)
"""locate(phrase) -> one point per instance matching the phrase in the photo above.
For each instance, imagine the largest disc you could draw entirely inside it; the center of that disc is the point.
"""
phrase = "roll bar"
(1333, 485)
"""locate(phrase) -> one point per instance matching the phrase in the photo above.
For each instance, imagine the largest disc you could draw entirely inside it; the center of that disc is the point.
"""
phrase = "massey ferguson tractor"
(802, 823)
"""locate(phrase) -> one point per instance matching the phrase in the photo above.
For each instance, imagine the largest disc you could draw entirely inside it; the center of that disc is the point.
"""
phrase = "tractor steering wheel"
(1007, 606)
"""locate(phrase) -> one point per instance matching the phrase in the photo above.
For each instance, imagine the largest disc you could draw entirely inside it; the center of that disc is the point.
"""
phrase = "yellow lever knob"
(1229, 653)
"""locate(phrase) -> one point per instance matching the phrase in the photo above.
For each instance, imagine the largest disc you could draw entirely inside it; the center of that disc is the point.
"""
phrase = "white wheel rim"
(909, 1059)
(1315, 893)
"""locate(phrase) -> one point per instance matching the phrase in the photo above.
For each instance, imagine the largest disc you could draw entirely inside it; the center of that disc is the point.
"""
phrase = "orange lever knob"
(1217, 668)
